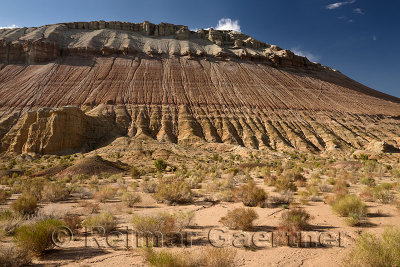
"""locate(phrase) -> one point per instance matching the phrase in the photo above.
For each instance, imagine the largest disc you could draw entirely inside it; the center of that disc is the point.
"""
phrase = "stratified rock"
(56, 131)
(168, 84)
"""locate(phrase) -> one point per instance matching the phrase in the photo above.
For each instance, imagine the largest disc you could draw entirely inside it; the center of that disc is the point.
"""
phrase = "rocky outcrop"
(57, 131)
(100, 38)
(166, 83)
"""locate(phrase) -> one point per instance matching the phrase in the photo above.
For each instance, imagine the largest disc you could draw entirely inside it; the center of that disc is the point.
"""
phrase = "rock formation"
(170, 84)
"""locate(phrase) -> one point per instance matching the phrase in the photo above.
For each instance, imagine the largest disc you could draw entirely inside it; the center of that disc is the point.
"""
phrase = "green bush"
(251, 195)
(37, 237)
(350, 206)
(130, 199)
(240, 219)
(102, 221)
(160, 165)
(371, 251)
(25, 205)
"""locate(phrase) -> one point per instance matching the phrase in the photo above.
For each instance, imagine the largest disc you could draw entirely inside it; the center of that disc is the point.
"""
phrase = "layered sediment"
(170, 84)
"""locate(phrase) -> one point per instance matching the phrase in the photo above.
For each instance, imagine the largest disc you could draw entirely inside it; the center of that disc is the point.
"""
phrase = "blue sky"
(358, 37)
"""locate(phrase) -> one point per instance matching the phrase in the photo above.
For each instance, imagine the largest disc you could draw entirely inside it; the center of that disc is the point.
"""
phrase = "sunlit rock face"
(167, 83)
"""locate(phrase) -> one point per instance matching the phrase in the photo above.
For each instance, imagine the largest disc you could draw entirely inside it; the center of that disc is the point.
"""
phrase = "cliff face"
(167, 83)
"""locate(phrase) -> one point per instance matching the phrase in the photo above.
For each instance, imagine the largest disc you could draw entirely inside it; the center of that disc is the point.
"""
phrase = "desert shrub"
(173, 190)
(37, 237)
(73, 222)
(218, 257)
(207, 257)
(325, 188)
(135, 173)
(149, 186)
(270, 179)
(250, 195)
(240, 219)
(340, 187)
(90, 207)
(367, 180)
(12, 256)
(315, 179)
(25, 205)
(160, 165)
(105, 194)
(371, 251)
(103, 222)
(284, 198)
(331, 181)
(34, 187)
(352, 207)
(383, 193)
(295, 218)
(9, 222)
(4, 195)
(284, 184)
(130, 199)
(162, 222)
(54, 192)
(366, 194)
(83, 192)
(291, 224)
(396, 172)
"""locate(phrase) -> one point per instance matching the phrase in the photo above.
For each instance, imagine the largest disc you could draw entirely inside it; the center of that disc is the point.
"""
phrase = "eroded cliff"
(170, 84)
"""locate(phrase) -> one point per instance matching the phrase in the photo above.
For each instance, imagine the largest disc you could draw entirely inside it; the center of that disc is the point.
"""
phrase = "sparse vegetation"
(105, 194)
(251, 195)
(103, 222)
(373, 251)
(160, 165)
(240, 219)
(54, 192)
(173, 190)
(207, 257)
(12, 256)
(25, 205)
(130, 199)
(37, 237)
(162, 222)
(352, 207)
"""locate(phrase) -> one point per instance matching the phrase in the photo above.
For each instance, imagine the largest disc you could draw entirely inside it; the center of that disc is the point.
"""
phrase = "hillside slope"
(167, 83)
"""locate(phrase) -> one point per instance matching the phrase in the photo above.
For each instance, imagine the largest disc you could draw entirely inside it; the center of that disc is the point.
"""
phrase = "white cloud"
(374, 38)
(9, 27)
(228, 24)
(300, 52)
(339, 4)
(358, 11)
